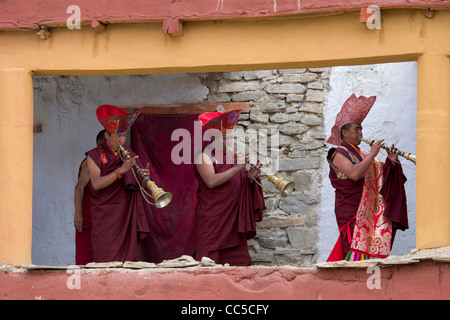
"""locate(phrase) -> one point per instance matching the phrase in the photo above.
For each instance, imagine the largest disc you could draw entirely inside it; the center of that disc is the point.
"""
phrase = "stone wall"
(288, 103)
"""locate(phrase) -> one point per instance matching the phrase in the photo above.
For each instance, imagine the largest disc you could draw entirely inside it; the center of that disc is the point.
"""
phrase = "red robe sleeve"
(251, 206)
(393, 191)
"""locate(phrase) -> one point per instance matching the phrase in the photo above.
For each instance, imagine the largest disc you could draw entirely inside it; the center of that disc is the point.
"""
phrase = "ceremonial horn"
(284, 186)
(409, 156)
(161, 197)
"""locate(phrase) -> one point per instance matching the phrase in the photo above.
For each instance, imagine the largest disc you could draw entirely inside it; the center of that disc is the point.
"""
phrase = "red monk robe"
(225, 216)
(117, 209)
(117, 212)
(83, 245)
(226, 212)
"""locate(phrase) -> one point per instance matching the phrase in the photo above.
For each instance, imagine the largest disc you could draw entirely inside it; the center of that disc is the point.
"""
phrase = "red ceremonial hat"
(354, 110)
(114, 119)
(218, 120)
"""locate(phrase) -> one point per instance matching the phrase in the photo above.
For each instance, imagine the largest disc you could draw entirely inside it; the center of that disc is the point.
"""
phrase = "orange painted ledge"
(424, 280)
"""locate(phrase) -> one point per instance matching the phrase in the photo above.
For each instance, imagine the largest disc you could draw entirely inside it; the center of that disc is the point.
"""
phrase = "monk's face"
(225, 142)
(353, 135)
(115, 139)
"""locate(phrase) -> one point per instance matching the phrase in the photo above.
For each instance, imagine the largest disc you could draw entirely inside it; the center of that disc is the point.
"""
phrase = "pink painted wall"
(15, 14)
(424, 280)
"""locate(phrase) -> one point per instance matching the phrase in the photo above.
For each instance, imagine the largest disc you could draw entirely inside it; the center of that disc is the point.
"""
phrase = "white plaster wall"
(393, 118)
(66, 108)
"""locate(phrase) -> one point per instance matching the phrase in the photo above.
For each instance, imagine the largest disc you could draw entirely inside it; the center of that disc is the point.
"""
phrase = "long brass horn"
(284, 186)
(409, 156)
(161, 197)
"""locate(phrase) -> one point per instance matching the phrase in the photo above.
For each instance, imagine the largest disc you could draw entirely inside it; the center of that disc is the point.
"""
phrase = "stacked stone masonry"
(287, 103)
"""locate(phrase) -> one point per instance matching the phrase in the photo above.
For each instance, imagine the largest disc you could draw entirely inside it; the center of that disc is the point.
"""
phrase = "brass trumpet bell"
(284, 186)
(161, 197)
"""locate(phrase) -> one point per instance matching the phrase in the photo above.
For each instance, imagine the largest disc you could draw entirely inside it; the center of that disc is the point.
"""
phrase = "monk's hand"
(376, 147)
(78, 221)
(146, 171)
(392, 155)
(128, 164)
(241, 162)
(256, 169)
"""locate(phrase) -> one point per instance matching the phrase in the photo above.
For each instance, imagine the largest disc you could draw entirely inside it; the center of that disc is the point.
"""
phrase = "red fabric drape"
(171, 228)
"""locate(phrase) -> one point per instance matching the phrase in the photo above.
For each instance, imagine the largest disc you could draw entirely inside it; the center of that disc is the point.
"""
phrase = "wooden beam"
(173, 27)
(37, 127)
(195, 108)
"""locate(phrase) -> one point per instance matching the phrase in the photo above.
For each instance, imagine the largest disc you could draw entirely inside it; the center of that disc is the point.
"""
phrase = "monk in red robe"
(82, 218)
(229, 202)
(117, 209)
(370, 203)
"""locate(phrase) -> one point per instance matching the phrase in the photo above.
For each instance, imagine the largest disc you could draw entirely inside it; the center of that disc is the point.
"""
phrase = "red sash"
(337, 253)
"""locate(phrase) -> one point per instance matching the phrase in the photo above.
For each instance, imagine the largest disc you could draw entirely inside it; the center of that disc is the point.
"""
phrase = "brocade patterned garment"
(372, 234)
(369, 210)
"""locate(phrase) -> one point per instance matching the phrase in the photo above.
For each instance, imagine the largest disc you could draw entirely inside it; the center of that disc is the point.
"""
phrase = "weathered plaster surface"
(32, 14)
(425, 280)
